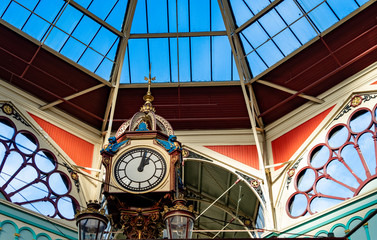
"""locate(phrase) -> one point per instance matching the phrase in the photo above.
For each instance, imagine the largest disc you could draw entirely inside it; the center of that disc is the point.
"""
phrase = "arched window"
(30, 175)
(340, 167)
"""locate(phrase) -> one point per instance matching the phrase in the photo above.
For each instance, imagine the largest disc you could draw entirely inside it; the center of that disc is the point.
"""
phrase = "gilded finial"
(148, 98)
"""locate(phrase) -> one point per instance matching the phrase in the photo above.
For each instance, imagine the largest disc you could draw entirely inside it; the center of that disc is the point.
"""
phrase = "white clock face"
(140, 169)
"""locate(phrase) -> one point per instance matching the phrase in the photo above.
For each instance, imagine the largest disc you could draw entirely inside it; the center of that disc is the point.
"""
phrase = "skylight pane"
(49, 9)
(16, 15)
(217, 23)
(183, 16)
(246, 45)
(138, 50)
(29, 4)
(90, 59)
(256, 63)
(289, 11)
(272, 23)
(3, 5)
(104, 70)
(257, 6)
(139, 22)
(101, 8)
(361, 2)
(159, 53)
(73, 49)
(201, 60)
(86, 30)
(184, 59)
(172, 8)
(56, 39)
(221, 59)
(235, 76)
(270, 53)
(323, 17)
(199, 15)
(36, 27)
(240, 11)
(157, 16)
(287, 42)
(125, 75)
(112, 53)
(303, 30)
(343, 8)
(69, 19)
(103, 41)
(255, 34)
(117, 15)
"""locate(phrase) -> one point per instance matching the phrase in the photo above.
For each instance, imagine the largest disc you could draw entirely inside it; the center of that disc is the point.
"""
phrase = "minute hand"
(144, 161)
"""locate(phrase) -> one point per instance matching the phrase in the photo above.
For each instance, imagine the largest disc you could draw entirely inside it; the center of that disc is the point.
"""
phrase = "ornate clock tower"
(142, 162)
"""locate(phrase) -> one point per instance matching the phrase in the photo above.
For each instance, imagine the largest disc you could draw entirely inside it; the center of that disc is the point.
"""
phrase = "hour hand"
(144, 161)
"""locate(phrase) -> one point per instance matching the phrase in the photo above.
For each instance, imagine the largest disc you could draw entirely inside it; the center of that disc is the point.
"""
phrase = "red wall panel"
(246, 154)
(79, 150)
(286, 145)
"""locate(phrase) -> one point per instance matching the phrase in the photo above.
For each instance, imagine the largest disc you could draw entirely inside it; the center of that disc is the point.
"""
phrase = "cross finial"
(149, 80)
(148, 98)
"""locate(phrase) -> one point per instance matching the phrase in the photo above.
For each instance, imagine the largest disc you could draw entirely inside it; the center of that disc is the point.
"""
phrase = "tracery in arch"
(340, 167)
(30, 175)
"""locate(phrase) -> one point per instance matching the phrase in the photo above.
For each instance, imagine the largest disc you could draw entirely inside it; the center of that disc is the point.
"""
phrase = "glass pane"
(360, 121)
(125, 76)
(26, 142)
(270, 53)
(217, 23)
(320, 155)
(157, 16)
(367, 148)
(272, 23)
(221, 59)
(159, 54)
(67, 207)
(116, 17)
(16, 15)
(45, 161)
(6, 130)
(333, 189)
(139, 64)
(73, 49)
(318, 204)
(139, 22)
(338, 136)
(287, 42)
(56, 39)
(90, 59)
(183, 16)
(103, 41)
(298, 204)
(201, 62)
(36, 27)
(352, 158)
(199, 15)
(339, 172)
(323, 17)
(240, 11)
(342, 8)
(305, 179)
(257, 65)
(86, 30)
(59, 183)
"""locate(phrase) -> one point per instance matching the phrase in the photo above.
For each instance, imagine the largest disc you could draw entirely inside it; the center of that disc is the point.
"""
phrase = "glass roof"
(180, 40)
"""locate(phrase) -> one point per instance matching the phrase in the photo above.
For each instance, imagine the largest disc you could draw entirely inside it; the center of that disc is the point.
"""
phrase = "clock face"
(140, 169)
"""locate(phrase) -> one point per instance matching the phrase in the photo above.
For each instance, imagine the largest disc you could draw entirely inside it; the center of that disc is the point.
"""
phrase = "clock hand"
(144, 161)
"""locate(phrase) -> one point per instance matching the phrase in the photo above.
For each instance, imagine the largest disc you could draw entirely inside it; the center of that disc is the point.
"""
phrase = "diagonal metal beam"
(44, 107)
(94, 17)
(258, 15)
(288, 90)
(238, 51)
(117, 71)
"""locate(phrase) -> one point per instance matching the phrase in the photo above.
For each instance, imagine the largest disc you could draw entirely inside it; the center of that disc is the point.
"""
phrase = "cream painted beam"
(115, 77)
(288, 90)
(44, 107)
(179, 34)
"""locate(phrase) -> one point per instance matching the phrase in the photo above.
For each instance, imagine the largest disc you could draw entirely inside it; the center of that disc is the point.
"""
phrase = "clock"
(140, 170)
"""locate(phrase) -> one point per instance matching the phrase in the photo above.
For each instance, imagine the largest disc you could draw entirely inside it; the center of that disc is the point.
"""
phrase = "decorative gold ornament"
(291, 172)
(356, 101)
(255, 183)
(7, 109)
(148, 98)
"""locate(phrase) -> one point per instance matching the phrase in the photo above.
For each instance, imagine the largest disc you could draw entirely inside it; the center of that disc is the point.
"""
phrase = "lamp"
(91, 222)
(179, 220)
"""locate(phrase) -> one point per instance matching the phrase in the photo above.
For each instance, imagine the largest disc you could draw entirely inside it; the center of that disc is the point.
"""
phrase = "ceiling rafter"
(117, 70)
(291, 91)
(49, 105)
